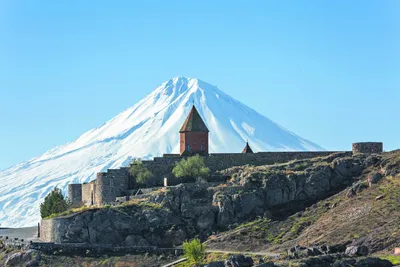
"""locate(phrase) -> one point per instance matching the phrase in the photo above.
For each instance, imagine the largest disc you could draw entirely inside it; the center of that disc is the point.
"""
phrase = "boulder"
(338, 248)
(32, 263)
(239, 261)
(351, 193)
(15, 259)
(206, 220)
(32, 254)
(357, 251)
(374, 178)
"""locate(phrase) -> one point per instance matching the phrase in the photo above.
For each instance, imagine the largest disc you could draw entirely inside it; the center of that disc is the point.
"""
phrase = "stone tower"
(193, 135)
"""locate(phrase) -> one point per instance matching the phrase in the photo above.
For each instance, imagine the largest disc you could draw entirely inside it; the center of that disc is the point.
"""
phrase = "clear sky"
(326, 70)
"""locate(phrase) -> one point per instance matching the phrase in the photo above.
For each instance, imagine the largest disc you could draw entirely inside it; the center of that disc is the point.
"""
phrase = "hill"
(360, 215)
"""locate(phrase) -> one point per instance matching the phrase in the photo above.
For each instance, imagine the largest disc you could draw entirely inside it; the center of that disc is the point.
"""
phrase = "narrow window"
(188, 148)
(111, 182)
(202, 147)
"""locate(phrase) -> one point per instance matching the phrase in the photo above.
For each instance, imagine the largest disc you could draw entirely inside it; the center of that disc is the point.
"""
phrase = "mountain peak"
(149, 128)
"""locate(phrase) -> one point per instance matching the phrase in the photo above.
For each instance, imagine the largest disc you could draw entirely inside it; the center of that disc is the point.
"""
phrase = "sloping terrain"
(359, 215)
(149, 128)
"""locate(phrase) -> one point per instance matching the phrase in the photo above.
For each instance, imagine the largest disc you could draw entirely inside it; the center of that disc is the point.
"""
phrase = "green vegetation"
(69, 211)
(142, 175)
(194, 251)
(54, 203)
(394, 259)
(391, 190)
(300, 166)
(193, 167)
(144, 203)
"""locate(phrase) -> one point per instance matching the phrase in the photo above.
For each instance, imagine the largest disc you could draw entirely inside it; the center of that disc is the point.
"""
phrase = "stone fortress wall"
(115, 182)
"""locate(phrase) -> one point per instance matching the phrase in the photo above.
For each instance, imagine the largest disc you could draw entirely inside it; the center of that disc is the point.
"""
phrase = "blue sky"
(326, 70)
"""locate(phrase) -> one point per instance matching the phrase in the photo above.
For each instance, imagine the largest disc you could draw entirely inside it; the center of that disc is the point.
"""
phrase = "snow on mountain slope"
(149, 128)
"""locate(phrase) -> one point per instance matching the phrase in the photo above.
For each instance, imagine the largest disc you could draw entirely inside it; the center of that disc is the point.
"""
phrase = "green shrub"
(394, 259)
(192, 167)
(141, 174)
(194, 251)
(54, 202)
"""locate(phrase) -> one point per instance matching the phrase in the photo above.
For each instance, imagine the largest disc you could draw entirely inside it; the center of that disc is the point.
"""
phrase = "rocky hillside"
(316, 212)
(316, 201)
(366, 213)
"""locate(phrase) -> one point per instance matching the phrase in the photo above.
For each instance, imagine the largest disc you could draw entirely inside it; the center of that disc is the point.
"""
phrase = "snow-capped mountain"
(149, 128)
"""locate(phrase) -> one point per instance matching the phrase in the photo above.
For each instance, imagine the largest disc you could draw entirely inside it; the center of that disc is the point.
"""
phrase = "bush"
(194, 251)
(193, 167)
(54, 203)
(142, 175)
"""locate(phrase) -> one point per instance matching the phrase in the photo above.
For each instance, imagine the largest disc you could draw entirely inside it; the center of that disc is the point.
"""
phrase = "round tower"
(367, 147)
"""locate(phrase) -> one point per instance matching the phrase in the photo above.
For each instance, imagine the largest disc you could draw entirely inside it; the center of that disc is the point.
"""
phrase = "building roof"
(194, 122)
(247, 148)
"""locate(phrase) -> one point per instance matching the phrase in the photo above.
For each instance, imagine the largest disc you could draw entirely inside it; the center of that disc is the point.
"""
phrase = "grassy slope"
(337, 219)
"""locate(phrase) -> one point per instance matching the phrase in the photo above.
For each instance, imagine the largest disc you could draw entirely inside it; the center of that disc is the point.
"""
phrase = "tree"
(54, 202)
(192, 167)
(194, 251)
(142, 175)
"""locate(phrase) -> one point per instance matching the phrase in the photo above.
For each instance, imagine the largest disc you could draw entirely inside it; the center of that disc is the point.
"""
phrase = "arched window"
(188, 148)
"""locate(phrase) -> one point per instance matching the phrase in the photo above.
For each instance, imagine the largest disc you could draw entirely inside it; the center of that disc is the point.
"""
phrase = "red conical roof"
(194, 122)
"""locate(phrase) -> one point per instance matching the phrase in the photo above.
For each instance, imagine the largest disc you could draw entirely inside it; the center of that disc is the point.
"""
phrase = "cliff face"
(171, 215)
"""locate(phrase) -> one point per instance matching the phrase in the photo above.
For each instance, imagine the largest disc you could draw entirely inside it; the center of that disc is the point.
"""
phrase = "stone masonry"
(368, 147)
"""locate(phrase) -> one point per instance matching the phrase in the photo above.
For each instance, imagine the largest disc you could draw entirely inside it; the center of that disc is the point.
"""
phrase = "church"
(194, 136)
